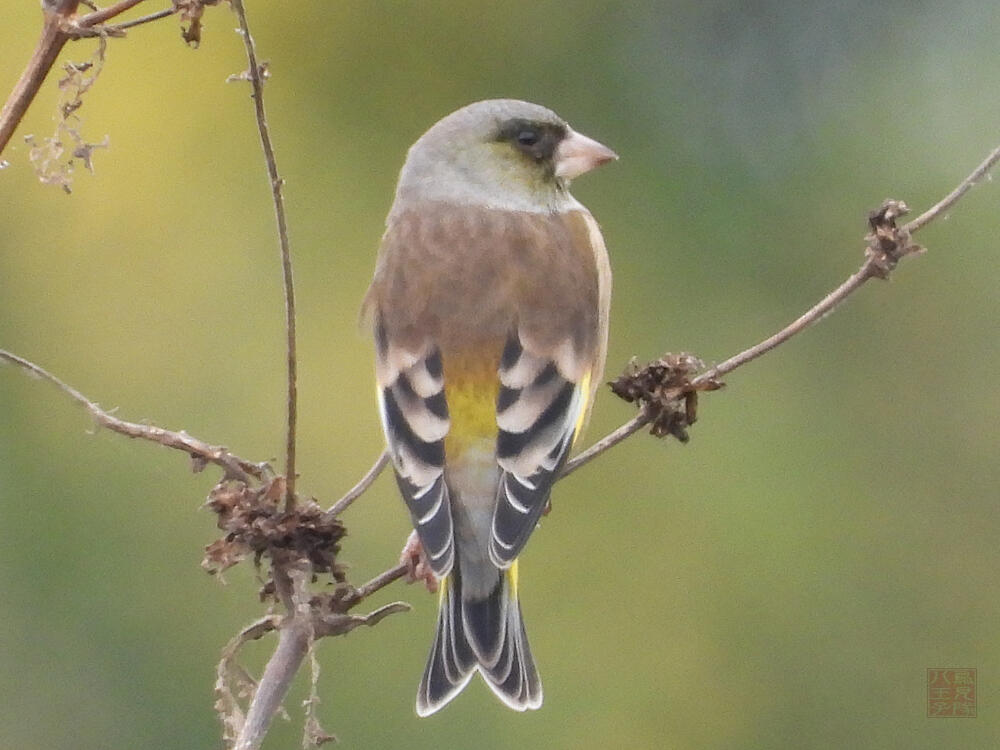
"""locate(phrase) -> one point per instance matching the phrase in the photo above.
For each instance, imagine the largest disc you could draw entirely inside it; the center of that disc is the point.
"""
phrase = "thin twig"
(380, 582)
(236, 467)
(868, 270)
(808, 318)
(257, 84)
(330, 624)
(952, 198)
(102, 15)
(141, 20)
(611, 439)
(54, 37)
(359, 489)
(297, 631)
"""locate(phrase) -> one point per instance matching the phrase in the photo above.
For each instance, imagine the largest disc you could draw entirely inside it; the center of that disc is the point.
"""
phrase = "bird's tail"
(484, 635)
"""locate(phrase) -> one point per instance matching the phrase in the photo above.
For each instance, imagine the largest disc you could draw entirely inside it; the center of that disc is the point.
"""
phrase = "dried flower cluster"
(256, 523)
(54, 158)
(190, 12)
(666, 390)
(888, 243)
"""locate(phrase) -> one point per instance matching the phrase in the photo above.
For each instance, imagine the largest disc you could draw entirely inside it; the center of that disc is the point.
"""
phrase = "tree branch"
(359, 489)
(808, 318)
(294, 638)
(234, 466)
(141, 20)
(952, 198)
(305, 618)
(297, 632)
(882, 254)
(255, 75)
(59, 26)
(379, 582)
(608, 441)
(54, 37)
(104, 14)
(231, 679)
(305, 623)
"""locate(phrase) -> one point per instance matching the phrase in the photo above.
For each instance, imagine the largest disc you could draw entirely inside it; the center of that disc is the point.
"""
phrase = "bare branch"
(359, 489)
(608, 441)
(200, 451)
(340, 624)
(257, 84)
(232, 680)
(379, 582)
(294, 640)
(141, 20)
(307, 622)
(808, 318)
(952, 198)
(54, 37)
(60, 25)
(297, 632)
(887, 245)
(104, 14)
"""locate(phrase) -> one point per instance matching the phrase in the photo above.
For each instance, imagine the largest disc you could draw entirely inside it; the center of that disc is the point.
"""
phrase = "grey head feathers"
(474, 157)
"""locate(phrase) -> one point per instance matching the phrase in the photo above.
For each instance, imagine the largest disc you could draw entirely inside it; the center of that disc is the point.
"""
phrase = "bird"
(489, 311)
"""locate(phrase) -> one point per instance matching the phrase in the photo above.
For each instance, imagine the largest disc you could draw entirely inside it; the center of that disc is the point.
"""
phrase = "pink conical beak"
(578, 154)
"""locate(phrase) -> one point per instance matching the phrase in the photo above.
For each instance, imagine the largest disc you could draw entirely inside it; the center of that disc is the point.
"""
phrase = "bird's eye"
(527, 137)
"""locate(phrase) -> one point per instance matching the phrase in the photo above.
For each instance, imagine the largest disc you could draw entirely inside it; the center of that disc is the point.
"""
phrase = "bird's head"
(500, 152)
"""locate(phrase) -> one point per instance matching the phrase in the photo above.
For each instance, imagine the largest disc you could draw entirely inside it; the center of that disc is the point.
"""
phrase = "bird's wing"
(455, 277)
(548, 373)
(539, 412)
(415, 420)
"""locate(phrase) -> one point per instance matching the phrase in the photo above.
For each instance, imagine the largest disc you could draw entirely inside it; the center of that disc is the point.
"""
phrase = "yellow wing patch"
(586, 401)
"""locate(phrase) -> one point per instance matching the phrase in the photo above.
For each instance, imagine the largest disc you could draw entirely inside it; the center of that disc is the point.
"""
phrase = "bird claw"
(417, 567)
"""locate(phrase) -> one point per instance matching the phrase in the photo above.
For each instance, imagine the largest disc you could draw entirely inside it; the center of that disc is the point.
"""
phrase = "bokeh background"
(784, 580)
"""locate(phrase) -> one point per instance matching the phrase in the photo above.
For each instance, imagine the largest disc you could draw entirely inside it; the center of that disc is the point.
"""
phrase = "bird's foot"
(548, 507)
(417, 567)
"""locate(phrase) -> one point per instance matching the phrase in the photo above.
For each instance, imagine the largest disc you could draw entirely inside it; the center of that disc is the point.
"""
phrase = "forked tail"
(484, 635)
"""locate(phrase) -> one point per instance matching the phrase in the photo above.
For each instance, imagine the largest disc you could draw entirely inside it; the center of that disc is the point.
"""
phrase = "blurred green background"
(782, 581)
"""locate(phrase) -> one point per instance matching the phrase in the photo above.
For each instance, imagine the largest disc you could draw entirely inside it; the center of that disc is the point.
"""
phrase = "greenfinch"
(489, 308)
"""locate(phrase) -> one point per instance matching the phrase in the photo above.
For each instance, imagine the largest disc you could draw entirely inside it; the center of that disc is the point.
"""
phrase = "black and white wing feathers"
(538, 411)
(415, 419)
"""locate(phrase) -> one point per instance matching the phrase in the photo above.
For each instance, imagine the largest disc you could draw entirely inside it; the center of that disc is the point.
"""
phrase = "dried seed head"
(666, 391)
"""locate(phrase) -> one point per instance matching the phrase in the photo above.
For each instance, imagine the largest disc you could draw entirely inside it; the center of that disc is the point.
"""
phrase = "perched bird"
(489, 307)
